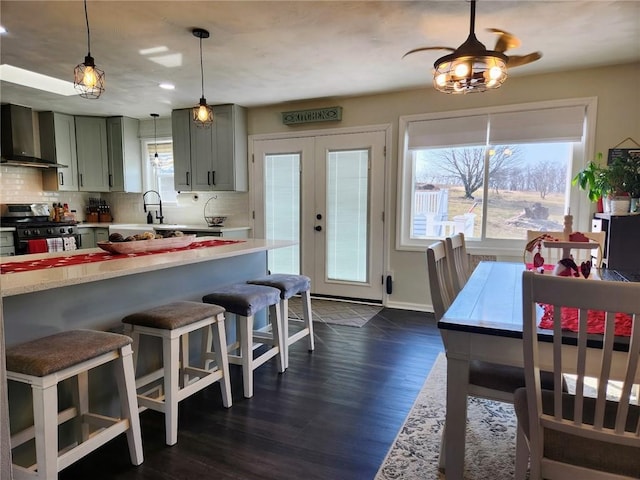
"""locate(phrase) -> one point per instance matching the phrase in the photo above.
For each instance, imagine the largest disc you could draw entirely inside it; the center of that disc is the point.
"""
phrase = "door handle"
(208, 178)
(61, 181)
(317, 228)
(213, 177)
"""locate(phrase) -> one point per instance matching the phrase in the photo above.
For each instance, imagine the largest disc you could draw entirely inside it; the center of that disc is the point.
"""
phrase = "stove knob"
(35, 232)
(49, 230)
(26, 233)
(70, 230)
(62, 230)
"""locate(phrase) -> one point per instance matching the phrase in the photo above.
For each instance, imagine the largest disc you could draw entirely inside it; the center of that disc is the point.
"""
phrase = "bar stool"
(173, 323)
(290, 285)
(47, 361)
(245, 301)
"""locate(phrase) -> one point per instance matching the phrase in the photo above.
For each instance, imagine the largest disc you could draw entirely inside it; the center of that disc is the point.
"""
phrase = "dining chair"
(577, 435)
(554, 255)
(459, 261)
(486, 380)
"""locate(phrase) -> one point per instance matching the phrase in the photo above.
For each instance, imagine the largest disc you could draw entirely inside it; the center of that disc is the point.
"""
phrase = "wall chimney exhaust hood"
(18, 146)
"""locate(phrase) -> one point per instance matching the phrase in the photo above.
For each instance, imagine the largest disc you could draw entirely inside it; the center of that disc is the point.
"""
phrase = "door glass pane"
(347, 222)
(282, 210)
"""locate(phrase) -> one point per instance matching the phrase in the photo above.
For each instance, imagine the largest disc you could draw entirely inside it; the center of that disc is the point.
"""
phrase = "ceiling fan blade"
(517, 60)
(422, 49)
(505, 40)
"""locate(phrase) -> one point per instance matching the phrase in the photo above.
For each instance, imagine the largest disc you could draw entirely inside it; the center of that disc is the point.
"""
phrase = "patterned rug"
(335, 312)
(490, 444)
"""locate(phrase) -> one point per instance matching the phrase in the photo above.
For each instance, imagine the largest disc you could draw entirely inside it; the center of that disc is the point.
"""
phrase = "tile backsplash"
(24, 185)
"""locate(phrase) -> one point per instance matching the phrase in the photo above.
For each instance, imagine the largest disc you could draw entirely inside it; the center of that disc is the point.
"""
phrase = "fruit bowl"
(216, 220)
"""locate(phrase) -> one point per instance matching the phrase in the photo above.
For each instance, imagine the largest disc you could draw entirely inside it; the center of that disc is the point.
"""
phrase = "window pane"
(447, 192)
(282, 210)
(162, 169)
(347, 215)
(527, 188)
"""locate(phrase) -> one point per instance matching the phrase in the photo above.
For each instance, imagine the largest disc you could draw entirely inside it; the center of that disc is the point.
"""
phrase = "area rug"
(335, 312)
(490, 443)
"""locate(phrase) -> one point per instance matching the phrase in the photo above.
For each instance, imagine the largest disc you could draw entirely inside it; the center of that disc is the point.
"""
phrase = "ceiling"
(267, 52)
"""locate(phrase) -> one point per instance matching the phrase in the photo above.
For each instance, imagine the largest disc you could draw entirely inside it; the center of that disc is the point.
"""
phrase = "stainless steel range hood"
(18, 146)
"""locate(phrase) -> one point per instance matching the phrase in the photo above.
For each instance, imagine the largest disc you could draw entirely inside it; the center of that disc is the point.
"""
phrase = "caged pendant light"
(88, 80)
(202, 113)
(156, 160)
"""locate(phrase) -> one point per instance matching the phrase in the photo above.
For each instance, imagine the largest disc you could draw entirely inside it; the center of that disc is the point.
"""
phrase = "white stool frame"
(307, 331)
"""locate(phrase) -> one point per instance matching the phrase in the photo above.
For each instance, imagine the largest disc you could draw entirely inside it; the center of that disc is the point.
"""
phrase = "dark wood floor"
(332, 416)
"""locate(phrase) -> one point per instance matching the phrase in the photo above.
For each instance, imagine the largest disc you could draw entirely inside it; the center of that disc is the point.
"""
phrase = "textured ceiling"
(268, 52)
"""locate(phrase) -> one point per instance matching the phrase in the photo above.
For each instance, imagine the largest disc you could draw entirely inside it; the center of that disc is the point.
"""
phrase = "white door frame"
(386, 128)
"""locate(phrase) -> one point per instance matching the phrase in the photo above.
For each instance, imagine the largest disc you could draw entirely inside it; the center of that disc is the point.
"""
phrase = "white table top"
(45, 279)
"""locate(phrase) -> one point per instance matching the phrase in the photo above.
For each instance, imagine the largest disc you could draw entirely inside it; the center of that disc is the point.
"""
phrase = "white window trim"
(148, 182)
(579, 204)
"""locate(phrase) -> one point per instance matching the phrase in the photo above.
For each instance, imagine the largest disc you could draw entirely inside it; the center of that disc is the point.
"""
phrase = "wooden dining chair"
(554, 255)
(486, 380)
(576, 435)
(459, 261)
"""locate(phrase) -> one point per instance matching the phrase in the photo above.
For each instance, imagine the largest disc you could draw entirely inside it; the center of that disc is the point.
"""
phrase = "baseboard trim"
(417, 307)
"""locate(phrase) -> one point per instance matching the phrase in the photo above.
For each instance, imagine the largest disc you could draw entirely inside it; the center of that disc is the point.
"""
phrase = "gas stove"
(32, 222)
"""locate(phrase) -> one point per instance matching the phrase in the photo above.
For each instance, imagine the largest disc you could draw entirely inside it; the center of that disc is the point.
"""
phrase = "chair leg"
(81, 401)
(170, 349)
(219, 344)
(276, 329)
(126, 379)
(246, 353)
(522, 455)
(284, 311)
(45, 414)
(184, 360)
(308, 318)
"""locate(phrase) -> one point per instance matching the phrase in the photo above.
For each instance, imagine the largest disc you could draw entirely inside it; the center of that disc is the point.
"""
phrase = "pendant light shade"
(88, 80)
(202, 113)
(156, 160)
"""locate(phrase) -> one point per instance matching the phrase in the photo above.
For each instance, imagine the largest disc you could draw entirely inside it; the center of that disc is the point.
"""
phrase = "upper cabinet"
(212, 158)
(58, 144)
(123, 146)
(93, 161)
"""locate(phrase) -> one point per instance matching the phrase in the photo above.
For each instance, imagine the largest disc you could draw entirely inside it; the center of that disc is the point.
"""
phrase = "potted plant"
(593, 180)
(617, 175)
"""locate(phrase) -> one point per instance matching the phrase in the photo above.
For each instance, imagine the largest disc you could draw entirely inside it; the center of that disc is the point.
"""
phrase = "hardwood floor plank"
(332, 416)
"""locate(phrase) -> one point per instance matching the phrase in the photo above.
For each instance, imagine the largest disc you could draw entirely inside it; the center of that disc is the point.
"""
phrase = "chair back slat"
(458, 260)
(439, 274)
(601, 358)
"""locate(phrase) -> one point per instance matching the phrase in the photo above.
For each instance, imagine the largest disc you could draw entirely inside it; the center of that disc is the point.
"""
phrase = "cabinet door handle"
(208, 178)
(81, 181)
(61, 181)
(187, 174)
(213, 175)
(110, 180)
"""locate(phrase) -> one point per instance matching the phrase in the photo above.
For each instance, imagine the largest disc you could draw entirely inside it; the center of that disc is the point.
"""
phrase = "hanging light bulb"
(156, 160)
(88, 80)
(202, 113)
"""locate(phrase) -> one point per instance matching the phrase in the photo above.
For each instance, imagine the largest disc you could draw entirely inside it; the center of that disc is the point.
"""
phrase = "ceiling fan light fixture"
(202, 113)
(464, 73)
(88, 80)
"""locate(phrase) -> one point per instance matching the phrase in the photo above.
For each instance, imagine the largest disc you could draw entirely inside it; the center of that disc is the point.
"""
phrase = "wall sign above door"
(296, 117)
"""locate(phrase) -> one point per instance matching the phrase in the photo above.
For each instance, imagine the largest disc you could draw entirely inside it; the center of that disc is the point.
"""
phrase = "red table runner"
(62, 261)
(595, 320)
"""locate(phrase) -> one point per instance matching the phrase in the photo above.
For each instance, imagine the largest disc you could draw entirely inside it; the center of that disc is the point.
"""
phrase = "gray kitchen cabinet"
(212, 158)
(58, 144)
(123, 148)
(87, 237)
(93, 160)
(102, 234)
(7, 247)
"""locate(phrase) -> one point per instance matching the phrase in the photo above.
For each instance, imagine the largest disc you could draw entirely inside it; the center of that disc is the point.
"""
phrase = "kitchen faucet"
(159, 204)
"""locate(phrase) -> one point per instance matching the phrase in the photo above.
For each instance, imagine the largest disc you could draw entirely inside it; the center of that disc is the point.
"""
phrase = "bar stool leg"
(45, 415)
(219, 343)
(126, 380)
(307, 315)
(284, 345)
(245, 325)
(277, 330)
(170, 353)
(81, 400)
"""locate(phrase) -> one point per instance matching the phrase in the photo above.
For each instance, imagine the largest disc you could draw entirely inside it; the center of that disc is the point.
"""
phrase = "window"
(492, 173)
(160, 171)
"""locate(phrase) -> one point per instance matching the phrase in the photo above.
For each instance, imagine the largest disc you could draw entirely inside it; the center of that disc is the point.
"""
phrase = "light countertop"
(45, 279)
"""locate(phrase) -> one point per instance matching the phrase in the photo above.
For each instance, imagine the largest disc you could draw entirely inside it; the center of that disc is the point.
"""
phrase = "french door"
(327, 193)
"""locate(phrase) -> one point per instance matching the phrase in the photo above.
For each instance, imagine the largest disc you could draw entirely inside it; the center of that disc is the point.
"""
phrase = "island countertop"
(50, 278)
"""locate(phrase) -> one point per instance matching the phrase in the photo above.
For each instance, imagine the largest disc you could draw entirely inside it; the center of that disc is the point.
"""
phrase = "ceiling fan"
(473, 68)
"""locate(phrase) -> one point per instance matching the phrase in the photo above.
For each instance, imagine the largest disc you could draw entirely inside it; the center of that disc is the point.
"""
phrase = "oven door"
(25, 246)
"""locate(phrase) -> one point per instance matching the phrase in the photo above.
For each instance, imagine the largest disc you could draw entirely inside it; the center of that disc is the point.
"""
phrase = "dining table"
(484, 322)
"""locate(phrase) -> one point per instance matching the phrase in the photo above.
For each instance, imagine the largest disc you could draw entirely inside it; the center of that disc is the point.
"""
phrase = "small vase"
(620, 205)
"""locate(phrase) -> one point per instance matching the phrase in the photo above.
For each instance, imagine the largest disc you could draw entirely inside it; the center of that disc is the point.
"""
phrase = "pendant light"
(87, 79)
(202, 113)
(156, 160)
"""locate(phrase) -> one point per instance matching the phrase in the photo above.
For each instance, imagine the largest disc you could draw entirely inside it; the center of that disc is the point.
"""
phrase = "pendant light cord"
(86, 17)
(155, 135)
(201, 68)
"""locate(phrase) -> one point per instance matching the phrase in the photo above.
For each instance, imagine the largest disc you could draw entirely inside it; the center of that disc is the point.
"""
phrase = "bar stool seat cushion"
(173, 315)
(56, 352)
(289, 285)
(243, 299)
